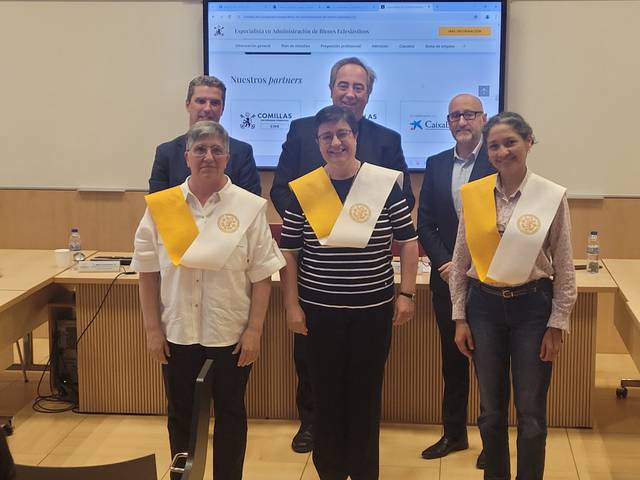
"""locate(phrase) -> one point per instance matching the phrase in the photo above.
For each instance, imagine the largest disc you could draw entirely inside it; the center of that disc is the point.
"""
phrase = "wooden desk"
(9, 298)
(27, 269)
(626, 274)
(26, 287)
(116, 375)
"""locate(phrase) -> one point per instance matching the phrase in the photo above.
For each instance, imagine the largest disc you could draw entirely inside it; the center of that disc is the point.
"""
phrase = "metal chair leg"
(24, 367)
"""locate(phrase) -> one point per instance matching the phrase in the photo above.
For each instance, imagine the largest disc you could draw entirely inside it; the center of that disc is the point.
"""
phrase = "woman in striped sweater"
(339, 291)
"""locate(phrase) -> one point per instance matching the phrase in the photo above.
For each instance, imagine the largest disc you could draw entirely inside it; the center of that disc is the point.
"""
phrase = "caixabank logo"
(426, 122)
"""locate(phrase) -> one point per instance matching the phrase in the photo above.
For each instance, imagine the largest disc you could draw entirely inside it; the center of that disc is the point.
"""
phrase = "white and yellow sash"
(210, 247)
(351, 224)
(510, 259)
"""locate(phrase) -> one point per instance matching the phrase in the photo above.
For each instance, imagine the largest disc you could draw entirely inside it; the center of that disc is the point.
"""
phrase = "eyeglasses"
(201, 151)
(327, 138)
(467, 114)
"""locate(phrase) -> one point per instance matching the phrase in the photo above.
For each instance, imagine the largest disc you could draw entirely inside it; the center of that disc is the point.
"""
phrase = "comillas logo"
(371, 116)
(275, 116)
(247, 121)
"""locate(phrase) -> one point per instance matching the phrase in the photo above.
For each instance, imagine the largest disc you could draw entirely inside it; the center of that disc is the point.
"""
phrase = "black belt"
(512, 292)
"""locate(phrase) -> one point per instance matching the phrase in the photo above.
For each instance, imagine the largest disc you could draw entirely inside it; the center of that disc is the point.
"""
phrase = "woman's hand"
(464, 339)
(403, 311)
(551, 343)
(248, 347)
(296, 321)
(157, 345)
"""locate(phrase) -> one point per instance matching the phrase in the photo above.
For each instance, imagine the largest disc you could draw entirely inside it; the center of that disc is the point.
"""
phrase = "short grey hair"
(206, 81)
(207, 129)
(371, 75)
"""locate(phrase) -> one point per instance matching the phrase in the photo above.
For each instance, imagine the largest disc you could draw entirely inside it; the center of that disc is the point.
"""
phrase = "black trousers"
(347, 352)
(229, 385)
(304, 396)
(455, 371)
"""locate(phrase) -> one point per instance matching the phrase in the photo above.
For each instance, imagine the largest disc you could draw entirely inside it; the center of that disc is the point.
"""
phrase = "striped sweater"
(347, 277)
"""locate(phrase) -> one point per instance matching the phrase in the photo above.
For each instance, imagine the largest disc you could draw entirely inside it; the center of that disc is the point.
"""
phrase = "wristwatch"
(410, 296)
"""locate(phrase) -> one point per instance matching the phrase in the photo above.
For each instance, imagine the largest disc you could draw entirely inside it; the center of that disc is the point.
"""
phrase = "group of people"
(497, 236)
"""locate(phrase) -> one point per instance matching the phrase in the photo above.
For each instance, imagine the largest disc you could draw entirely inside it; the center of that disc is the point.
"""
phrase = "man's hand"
(296, 321)
(464, 339)
(157, 346)
(403, 311)
(551, 343)
(445, 271)
(248, 347)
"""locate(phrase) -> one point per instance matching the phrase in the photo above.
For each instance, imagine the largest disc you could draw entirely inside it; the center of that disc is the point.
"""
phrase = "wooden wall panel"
(271, 391)
(107, 221)
(42, 219)
(116, 374)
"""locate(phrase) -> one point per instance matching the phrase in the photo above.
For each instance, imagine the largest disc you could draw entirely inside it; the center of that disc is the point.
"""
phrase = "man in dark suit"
(438, 214)
(350, 84)
(205, 101)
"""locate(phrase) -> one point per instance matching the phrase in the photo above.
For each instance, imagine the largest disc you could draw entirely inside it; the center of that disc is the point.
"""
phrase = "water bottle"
(74, 240)
(593, 252)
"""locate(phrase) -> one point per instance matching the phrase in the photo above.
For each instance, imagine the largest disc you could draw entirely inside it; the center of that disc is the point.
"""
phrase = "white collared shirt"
(461, 174)
(207, 307)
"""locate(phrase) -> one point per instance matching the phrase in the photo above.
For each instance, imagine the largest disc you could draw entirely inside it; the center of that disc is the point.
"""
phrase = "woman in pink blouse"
(513, 288)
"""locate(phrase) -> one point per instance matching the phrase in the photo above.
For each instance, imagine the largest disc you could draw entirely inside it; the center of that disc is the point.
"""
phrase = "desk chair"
(143, 468)
(196, 457)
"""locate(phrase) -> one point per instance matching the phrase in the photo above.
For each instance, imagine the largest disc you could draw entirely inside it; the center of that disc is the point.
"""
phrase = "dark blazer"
(170, 167)
(437, 219)
(300, 155)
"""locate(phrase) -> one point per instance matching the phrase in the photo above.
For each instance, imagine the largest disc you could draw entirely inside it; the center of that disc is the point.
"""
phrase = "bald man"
(438, 213)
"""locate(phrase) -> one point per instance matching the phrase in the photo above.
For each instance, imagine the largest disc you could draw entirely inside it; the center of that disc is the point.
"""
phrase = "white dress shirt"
(207, 307)
(461, 173)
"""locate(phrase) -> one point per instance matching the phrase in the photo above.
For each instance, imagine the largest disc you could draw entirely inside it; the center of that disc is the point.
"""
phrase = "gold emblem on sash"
(359, 212)
(228, 223)
(528, 224)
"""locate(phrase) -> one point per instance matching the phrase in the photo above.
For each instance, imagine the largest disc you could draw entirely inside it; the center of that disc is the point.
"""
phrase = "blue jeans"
(507, 333)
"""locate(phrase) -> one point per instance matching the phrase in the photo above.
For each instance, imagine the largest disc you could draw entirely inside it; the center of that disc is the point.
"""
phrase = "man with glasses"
(350, 85)
(205, 101)
(438, 213)
(205, 256)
